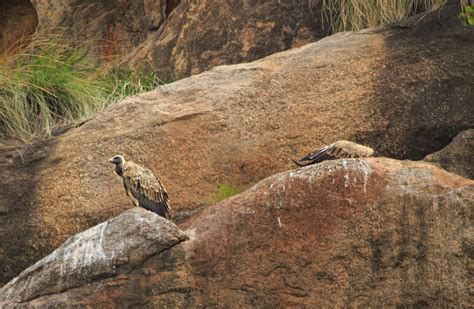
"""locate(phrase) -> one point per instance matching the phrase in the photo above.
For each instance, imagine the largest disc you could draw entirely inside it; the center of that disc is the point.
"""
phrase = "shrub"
(224, 191)
(124, 83)
(49, 84)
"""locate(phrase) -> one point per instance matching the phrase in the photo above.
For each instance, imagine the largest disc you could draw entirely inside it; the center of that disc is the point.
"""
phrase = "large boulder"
(174, 38)
(365, 233)
(117, 245)
(458, 156)
(384, 87)
(195, 37)
(198, 36)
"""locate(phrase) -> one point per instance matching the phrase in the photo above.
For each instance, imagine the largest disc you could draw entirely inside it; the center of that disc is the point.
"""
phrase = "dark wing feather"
(127, 185)
(322, 154)
(158, 203)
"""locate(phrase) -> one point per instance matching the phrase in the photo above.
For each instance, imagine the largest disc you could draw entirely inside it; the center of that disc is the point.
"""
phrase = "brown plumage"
(338, 150)
(142, 187)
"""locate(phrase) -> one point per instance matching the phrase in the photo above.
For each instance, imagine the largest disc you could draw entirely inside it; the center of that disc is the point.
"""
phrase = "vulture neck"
(119, 169)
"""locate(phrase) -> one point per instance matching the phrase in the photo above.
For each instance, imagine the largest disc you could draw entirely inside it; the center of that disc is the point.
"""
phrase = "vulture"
(142, 187)
(338, 150)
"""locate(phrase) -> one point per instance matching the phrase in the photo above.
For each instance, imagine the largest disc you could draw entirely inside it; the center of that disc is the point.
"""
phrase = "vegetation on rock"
(345, 15)
(50, 83)
(224, 191)
(467, 14)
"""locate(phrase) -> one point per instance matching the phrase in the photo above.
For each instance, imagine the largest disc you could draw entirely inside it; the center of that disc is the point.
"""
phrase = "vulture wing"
(146, 190)
(337, 150)
(316, 156)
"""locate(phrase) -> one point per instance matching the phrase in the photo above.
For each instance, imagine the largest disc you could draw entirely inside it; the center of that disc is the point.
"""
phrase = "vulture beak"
(111, 160)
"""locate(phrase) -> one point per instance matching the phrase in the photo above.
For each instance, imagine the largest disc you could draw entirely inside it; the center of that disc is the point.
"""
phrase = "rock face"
(239, 124)
(194, 38)
(112, 247)
(112, 28)
(370, 233)
(17, 19)
(204, 34)
(458, 156)
(174, 38)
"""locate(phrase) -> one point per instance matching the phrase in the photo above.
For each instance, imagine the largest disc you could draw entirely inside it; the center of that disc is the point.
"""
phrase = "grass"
(49, 84)
(348, 15)
(224, 191)
(127, 83)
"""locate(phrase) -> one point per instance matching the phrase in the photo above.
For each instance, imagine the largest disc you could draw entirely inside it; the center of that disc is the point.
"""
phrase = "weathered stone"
(174, 38)
(200, 35)
(195, 37)
(369, 233)
(384, 87)
(106, 250)
(18, 20)
(111, 28)
(458, 156)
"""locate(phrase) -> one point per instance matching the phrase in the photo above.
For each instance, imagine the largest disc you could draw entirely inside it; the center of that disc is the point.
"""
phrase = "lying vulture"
(337, 150)
(142, 187)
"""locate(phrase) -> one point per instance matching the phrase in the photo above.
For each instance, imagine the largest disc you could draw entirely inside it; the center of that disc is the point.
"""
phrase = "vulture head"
(119, 161)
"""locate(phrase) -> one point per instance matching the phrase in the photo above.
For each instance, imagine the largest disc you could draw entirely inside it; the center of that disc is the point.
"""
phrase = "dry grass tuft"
(348, 15)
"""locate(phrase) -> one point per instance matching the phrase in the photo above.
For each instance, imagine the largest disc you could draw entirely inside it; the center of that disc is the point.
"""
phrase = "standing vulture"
(338, 150)
(142, 187)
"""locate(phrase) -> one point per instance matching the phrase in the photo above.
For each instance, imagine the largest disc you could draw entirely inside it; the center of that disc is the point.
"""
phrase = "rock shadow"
(424, 90)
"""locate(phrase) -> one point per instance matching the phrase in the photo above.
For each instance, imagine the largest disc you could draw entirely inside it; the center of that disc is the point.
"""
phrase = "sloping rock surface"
(349, 233)
(458, 156)
(112, 247)
(384, 87)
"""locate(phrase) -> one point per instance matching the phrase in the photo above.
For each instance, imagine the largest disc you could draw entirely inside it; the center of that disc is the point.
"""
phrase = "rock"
(458, 156)
(352, 233)
(174, 38)
(198, 36)
(177, 43)
(18, 20)
(112, 247)
(110, 28)
(348, 233)
(384, 87)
